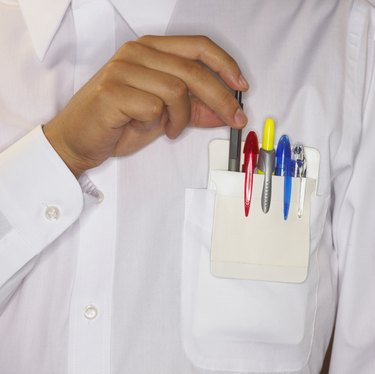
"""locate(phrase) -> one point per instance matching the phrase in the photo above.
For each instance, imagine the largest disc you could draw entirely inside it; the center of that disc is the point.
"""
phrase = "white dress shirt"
(90, 272)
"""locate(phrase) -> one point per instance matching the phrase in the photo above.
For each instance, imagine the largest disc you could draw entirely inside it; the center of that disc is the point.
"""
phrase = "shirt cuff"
(39, 199)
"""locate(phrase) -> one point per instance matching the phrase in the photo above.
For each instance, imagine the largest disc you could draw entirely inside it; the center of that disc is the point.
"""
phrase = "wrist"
(73, 162)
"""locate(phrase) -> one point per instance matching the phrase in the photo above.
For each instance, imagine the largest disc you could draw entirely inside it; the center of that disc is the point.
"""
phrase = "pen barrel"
(302, 189)
(266, 193)
(287, 194)
(238, 96)
(266, 164)
(235, 150)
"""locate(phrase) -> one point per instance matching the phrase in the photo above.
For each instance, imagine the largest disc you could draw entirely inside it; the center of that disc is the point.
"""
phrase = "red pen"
(251, 151)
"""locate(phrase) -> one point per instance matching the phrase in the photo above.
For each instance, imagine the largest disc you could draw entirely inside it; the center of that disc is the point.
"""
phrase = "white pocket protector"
(260, 246)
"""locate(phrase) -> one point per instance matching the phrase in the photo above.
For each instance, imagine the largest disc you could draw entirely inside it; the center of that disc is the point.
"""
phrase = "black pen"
(235, 142)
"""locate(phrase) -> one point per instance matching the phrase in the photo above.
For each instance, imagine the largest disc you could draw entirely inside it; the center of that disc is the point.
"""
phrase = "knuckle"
(108, 71)
(112, 70)
(194, 71)
(144, 39)
(106, 81)
(204, 43)
(231, 62)
(130, 48)
(156, 109)
(178, 89)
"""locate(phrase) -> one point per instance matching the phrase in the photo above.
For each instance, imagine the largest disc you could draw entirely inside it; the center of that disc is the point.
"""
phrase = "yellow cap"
(268, 135)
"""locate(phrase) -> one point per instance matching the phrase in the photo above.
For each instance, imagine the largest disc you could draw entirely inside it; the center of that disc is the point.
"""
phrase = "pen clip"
(300, 171)
(251, 151)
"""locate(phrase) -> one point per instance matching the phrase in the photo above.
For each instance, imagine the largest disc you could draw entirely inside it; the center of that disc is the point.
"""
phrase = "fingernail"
(243, 82)
(240, 118)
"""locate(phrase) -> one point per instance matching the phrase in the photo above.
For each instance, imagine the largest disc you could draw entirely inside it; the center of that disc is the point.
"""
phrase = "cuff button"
(52, 213)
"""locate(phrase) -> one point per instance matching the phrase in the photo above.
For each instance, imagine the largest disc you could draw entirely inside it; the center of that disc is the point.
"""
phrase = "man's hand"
(153, 86)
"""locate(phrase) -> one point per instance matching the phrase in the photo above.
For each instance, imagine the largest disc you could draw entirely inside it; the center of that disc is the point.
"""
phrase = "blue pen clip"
(284, 168)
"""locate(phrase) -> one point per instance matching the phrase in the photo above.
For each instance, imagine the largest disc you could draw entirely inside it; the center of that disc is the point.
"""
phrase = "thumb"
(203, 116)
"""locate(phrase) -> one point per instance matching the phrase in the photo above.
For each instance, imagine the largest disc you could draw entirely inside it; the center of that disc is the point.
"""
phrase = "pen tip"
(247, 208)
(286, 212)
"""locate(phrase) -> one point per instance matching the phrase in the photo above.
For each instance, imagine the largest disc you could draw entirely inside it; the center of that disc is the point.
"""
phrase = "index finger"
(200, 48)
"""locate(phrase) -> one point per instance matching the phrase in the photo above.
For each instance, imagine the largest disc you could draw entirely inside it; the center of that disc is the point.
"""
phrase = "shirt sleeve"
(354, 234)
(39, 199)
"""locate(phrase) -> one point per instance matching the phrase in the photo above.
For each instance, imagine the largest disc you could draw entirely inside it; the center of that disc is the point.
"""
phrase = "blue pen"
(283, 168)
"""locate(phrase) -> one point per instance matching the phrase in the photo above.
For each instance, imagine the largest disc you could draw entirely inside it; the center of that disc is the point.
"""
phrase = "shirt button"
(100, 196)
(52, 213)
(90, 312)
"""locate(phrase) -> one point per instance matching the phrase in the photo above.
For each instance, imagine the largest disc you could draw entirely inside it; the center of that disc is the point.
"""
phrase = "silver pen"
(235, 142)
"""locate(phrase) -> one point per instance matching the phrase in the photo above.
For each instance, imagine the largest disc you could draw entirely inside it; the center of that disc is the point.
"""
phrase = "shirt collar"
(43, 28)
(146, 16)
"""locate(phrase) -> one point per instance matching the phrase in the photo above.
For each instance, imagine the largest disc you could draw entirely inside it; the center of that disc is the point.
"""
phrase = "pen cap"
(250, 151)
(251, 144)
(268, 135)
(283, 156)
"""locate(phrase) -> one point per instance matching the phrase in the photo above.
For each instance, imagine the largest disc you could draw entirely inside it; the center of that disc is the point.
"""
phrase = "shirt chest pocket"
(233, 318)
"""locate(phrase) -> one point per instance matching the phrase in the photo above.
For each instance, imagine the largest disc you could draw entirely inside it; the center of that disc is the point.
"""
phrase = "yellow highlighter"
(266, 162)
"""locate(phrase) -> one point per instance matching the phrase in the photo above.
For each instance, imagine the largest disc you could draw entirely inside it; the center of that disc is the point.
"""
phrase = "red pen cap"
(251, 151)
(251, 148)
(251, 143)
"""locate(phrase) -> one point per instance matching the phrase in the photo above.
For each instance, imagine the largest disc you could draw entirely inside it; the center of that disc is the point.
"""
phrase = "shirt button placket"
(90, 312)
